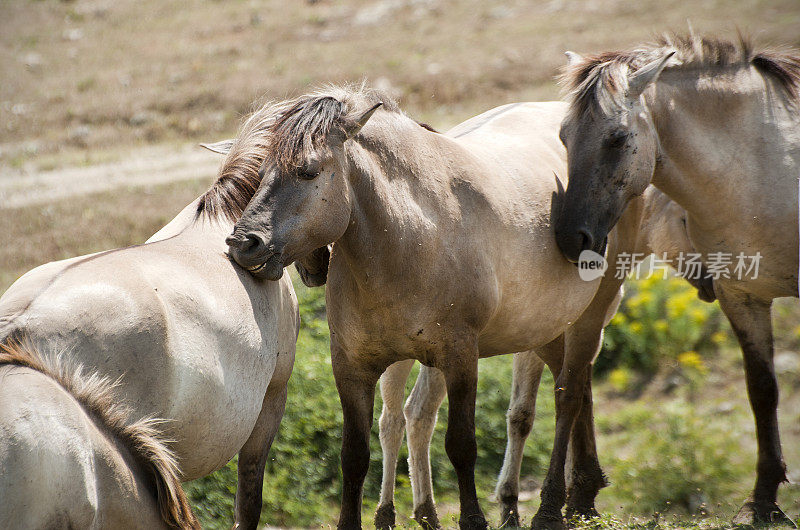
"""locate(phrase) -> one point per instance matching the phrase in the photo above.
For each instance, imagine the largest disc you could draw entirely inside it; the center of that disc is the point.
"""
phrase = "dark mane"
(427, 127)
(282, 133)
(142, 438)
(600, 80)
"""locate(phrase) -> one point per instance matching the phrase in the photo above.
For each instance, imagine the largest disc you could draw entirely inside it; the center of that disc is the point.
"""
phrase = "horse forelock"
(142, 438)
(282, 133)
(597, 82)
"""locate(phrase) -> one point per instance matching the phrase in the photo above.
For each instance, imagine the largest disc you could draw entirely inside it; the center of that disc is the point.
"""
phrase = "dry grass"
(90, 223)
(94, 73)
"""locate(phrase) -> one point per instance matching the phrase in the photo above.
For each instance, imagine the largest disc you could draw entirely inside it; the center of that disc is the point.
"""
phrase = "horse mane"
(599, 81)
(142, 438)
(283, 133)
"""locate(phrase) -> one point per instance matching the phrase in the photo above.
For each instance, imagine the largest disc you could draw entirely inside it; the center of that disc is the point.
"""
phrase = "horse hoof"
(384, 517)
(510, 516)
(582, 512)
(762, 513)
(473, 522)
(544, 521)
(425, 515)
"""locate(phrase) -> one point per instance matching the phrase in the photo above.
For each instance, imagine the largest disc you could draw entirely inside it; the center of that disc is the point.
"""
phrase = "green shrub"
(668, 456)
(658, 320)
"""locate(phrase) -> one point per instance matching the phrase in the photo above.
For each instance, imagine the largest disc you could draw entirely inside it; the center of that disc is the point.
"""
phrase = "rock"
(433, 68)
(376, 12)
(79, 135)
(141, 118)
(500, 12)
(72, 34)
(20, 109)
(32, 60)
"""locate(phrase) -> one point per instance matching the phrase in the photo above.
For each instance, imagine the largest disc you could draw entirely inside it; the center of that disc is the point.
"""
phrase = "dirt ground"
(145, 166)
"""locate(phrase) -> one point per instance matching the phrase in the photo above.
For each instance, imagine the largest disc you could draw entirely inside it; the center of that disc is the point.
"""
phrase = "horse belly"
(536, 306)
(216, 396)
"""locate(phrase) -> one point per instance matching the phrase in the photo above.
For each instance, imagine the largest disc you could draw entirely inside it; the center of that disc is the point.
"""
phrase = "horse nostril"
(587, 241)
(248, 243)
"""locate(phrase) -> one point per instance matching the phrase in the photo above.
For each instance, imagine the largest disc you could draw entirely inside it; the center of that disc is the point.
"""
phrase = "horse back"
(193, 338)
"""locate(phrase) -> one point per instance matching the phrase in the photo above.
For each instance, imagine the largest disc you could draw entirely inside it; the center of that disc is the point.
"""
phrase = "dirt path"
(145, 166)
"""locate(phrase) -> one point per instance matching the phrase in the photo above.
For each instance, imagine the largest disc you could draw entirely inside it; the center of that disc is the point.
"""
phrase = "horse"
(71, 456)
(443, 252)
(715, 125)
(660, 229)
(199, 341)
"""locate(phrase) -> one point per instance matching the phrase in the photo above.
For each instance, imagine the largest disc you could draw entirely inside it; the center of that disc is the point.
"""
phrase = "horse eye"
(307, 174)
(617, 139)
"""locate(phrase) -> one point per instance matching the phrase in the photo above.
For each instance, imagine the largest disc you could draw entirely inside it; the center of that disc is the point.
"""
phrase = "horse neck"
(399, 177)
(654, 235)
(707, 128)
(178, 224)
(204, 233)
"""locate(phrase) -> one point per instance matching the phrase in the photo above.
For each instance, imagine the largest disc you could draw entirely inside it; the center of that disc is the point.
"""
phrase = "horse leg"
(519, 421)
(752, 324)
(391, 425)
(356, 386)
(586, 477)
(420, 411)
(461, 374)
(569, 388)
(253, 457)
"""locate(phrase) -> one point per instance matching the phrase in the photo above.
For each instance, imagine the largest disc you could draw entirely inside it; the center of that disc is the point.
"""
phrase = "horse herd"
(127, 371)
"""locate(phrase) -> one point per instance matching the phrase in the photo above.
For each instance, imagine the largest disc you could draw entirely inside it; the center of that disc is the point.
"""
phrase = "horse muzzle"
(253, 254)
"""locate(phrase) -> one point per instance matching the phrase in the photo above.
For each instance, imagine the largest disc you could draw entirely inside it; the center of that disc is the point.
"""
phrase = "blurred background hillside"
(102, 104)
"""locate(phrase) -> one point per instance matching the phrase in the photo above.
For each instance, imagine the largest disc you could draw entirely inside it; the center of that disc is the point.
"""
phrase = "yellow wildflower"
(620, 379)
(691, 359)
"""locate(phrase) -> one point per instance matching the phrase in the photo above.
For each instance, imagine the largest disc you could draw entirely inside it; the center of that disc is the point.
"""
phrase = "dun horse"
(71, 457)
(660, 228)
(199, 341)
(716, 126)
(443, 253)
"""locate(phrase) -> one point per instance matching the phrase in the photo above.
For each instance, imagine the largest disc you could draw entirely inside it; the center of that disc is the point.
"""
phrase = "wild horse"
(443, 252)
(715, 125)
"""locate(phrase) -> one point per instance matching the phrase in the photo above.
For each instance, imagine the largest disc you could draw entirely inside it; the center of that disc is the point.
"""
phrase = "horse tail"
(9, 333)
(142, 438)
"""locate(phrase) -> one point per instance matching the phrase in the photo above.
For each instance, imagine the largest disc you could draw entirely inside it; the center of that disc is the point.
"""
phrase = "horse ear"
(645, 75)
(353, 125)
(573, 58)
(222, 147)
